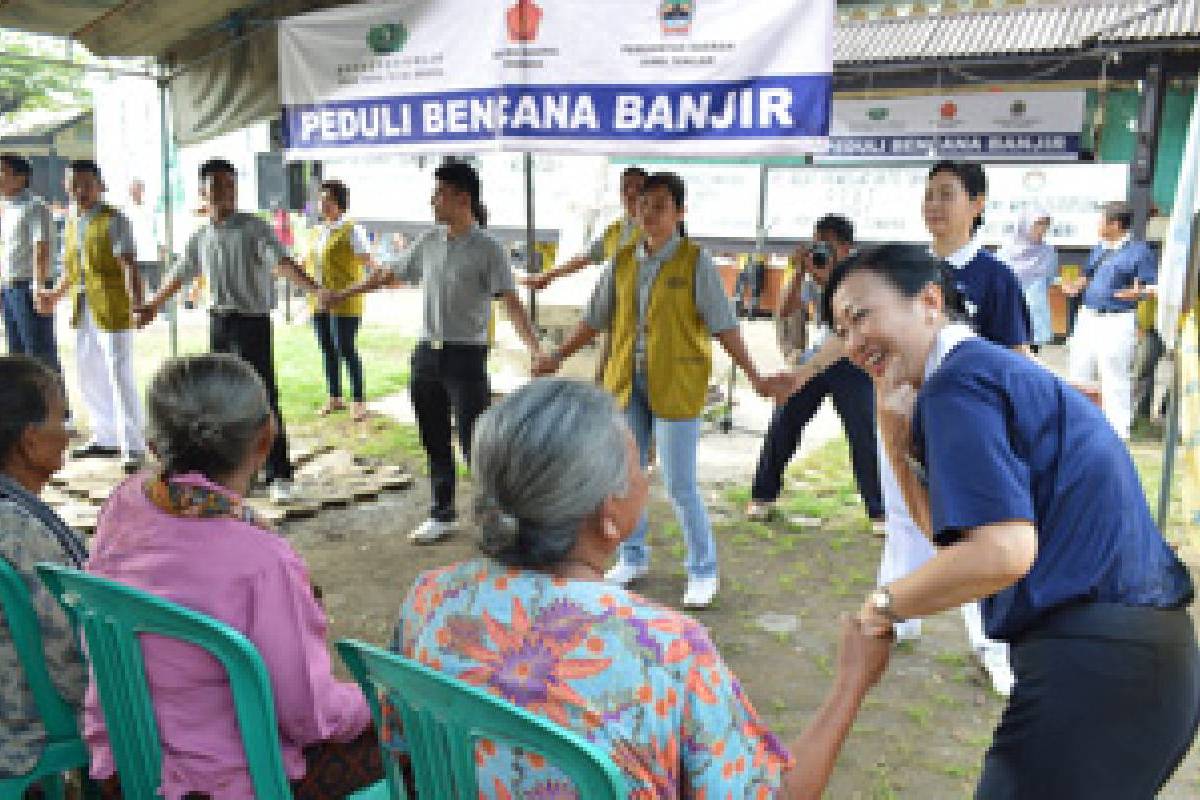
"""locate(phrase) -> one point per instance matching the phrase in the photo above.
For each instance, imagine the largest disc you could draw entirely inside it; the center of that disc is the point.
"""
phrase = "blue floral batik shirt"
(641, 681)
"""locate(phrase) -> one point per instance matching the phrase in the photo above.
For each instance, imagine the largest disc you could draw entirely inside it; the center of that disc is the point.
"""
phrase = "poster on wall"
(884, 203)
(700, 77)
(986, 125)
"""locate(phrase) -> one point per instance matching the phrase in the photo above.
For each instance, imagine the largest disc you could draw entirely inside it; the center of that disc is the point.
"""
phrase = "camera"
(821, 255)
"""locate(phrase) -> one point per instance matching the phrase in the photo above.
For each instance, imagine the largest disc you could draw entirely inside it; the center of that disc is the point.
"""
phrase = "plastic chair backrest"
(444, 718)
(64, 746)
(112, 616)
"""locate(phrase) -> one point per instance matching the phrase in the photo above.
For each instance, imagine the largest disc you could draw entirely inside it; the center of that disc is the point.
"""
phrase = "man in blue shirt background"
(1119, 272)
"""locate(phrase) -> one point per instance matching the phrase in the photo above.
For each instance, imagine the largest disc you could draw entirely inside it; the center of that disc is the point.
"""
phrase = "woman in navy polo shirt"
(955, 194)
(1038, 511)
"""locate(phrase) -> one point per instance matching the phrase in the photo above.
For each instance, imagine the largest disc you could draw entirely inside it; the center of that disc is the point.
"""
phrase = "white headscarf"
(1030, 260)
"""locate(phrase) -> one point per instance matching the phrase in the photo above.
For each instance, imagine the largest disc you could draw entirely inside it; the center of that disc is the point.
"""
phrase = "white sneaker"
(623, 574)
(280, 491)
(995, 663)
(431, 530)
(908, 630)
(700, 592)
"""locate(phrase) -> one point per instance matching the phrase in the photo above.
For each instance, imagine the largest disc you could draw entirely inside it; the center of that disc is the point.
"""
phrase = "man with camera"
(824, 371)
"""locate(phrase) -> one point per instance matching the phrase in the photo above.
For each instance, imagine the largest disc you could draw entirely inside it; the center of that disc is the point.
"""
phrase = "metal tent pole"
(530, 237)
(168, 216)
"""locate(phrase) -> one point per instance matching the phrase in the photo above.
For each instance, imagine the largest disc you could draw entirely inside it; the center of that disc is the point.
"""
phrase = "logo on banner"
(878, 113)
(677, 16)
(523, 19)
(948, 110)
(1017, 109)
(387, 38)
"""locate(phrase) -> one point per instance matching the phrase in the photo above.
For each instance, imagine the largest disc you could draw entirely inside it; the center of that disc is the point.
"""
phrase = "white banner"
(884, 203)
(988, 125)
(1177, 244)
(696, 77)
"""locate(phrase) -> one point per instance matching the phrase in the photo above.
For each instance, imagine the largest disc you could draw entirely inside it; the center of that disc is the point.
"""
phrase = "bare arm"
(794, 297)
(580, 336)
(541, 280)
(861, 661)
(296, 274)
(988, 559)
(133, 280)
(41, 264)
(520, 321)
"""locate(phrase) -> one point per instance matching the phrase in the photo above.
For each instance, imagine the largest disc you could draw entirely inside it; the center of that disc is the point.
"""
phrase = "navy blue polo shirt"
(1002, 438)
(1111, 270)
(995, 302)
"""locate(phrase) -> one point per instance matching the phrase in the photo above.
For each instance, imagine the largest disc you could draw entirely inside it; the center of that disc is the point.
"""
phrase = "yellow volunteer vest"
(341, 267)
(103, 276)
(612, 238)
(678, 344)
(1147, 313)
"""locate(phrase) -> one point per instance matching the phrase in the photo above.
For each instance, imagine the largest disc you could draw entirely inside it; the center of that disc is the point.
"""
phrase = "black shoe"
(95, 451)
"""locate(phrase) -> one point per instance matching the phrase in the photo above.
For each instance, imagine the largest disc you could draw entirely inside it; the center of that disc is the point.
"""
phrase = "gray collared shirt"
(595, 252)
(238, 256)
(120, 234)
(24, 224)
(711, 300)
(459, 276)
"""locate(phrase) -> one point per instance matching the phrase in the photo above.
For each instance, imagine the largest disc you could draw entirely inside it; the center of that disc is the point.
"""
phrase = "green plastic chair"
(443, 718)
(112, 616)
(64, 750)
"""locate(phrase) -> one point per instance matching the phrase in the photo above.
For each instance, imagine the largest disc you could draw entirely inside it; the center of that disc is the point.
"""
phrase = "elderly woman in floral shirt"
(534, 622)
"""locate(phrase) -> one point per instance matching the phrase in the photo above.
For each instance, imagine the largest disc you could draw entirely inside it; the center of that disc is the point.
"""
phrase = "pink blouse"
(253, 581)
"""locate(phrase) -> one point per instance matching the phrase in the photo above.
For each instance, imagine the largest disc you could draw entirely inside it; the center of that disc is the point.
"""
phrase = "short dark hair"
(215, 165)
(19, 164)
(907, 267)
(634, 170)
(838, 226)
(26, 386)
(1120, 212)
(339, 193)
(463, 177)
(84, 165)
(674, 186)
(970, 175)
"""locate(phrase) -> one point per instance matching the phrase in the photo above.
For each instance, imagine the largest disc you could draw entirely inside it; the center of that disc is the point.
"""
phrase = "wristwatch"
(881, 601)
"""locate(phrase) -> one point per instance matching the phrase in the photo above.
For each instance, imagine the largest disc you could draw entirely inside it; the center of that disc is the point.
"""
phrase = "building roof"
(1047, 28)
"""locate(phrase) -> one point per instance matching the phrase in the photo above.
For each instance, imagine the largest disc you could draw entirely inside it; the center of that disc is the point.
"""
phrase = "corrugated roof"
(1178, 20)
(1032, 29)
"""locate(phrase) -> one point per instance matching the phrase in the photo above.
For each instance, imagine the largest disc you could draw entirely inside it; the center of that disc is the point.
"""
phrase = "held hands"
(862, 656)
(326, 298)
(1130, 293)
(144, 314)
(545, 364)
(774, 387)
(44, 301)
(897, 397)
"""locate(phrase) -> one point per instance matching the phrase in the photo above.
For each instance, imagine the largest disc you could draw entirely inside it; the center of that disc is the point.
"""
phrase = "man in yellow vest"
(101, 272)
(662, 302)
(616, 234)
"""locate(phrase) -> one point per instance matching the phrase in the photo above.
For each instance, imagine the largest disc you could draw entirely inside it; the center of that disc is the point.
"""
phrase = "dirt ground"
(922, 732)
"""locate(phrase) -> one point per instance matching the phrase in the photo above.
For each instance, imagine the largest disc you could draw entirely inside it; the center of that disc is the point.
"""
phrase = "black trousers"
(1146, 356)
(336, 335)
(453, 376)
(854, 399)
(1105, 707)
(249, 336)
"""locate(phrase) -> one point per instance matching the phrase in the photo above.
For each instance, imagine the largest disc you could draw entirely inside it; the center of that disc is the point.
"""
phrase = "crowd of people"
(999, 487)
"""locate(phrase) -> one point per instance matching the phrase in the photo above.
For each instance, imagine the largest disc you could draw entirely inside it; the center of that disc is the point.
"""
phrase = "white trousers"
(110, 395)
(1102, 348)
(905, 547)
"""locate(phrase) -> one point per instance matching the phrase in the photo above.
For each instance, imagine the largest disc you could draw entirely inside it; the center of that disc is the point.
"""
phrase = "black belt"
(1104, 312)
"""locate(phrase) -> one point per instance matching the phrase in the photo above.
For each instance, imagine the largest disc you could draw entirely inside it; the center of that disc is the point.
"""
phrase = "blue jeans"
(26, 330)
(676, 444)
(335, 336)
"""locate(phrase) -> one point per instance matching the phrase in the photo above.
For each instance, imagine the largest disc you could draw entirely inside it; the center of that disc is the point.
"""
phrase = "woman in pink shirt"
(184, 534)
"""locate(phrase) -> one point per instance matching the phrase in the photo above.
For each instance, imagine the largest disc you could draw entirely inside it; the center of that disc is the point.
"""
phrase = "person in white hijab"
(1036, 264)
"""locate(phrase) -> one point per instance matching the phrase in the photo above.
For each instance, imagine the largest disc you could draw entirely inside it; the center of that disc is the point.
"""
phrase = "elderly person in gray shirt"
(239, 254)
(662, 303)
(26, 234)
(460, 269)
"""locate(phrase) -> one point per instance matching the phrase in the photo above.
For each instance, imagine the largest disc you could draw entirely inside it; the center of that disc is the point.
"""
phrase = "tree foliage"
(26, 84)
